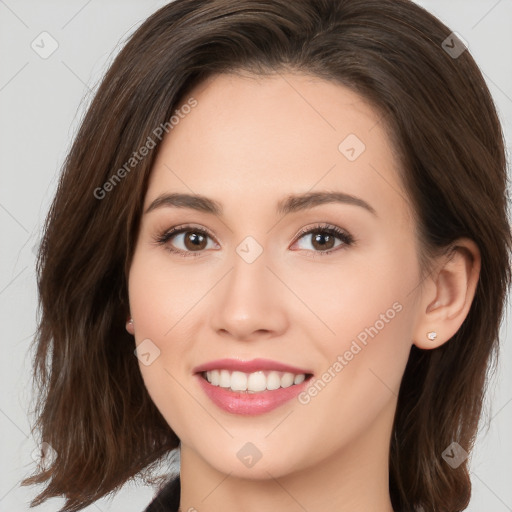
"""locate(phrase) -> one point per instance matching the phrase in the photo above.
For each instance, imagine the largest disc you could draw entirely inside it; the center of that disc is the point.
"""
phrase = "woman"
(295, 213)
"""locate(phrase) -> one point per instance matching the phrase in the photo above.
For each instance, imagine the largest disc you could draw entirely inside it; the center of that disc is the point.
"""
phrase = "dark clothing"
(168, 499)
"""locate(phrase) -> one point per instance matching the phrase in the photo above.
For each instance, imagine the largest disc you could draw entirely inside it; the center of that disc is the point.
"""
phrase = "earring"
(129, 326)
(432, 335)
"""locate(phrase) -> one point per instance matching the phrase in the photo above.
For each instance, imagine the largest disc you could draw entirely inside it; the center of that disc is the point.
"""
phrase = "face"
(307, 299)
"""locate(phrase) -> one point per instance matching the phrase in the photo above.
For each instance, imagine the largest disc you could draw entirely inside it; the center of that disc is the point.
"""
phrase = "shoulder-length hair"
(92, 405)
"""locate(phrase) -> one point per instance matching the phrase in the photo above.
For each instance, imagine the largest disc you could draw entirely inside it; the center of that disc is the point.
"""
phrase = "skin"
(248, 143)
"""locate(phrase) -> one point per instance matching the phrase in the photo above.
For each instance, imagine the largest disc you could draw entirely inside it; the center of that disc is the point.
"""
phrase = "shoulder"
(168, 499)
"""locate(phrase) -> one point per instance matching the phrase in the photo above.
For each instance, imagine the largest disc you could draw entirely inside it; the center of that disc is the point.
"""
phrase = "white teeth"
(273, 381)
(287, 380)
(224, 379)
(257, 381)
(253, 382)
(238, 381)
(215, 377)
(299, 378)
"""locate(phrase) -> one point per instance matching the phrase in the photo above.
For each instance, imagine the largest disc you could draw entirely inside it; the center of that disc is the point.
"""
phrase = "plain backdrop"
(41, 103)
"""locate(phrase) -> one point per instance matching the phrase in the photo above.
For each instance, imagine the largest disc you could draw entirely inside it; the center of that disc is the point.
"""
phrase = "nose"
(251, 302)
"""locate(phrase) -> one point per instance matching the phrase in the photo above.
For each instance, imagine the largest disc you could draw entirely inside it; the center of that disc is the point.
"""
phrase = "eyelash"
(330, 229)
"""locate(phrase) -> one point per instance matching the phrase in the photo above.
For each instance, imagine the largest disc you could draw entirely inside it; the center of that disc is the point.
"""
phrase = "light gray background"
(41, 103)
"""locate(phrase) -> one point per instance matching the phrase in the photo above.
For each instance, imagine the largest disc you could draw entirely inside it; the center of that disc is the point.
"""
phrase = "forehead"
(262, 137)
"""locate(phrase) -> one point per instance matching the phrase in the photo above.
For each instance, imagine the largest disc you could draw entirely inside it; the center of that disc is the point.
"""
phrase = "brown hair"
(92, 406)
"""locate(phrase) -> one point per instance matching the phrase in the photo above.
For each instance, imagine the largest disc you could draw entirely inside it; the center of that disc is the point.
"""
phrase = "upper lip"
(254, 365)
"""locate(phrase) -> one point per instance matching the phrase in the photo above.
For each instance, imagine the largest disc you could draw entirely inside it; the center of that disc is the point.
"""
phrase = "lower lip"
(249, 404)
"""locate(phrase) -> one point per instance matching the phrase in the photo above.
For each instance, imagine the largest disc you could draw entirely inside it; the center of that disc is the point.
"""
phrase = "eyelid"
(180, 228)
(163, 238)
(346, 238)
(342, 234)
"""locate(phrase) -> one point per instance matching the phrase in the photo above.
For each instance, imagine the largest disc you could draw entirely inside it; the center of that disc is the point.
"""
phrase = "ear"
(447, 294)
(129, 325)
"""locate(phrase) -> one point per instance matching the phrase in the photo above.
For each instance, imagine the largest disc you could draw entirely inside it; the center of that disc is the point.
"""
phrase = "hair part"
(92, 405)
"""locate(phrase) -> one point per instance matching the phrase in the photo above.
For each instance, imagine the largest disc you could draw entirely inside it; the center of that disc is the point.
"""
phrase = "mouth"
(255, 382)
(263, 386)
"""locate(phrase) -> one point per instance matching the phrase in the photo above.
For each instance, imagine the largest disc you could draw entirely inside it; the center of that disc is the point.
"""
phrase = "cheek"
(162, 305)
(370, 312)
(363, 297)
(356, 390)
(161, 296)
(369, 353)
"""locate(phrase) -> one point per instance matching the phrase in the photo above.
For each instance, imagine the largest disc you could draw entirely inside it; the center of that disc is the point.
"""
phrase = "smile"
(251, 387)
(253, 382)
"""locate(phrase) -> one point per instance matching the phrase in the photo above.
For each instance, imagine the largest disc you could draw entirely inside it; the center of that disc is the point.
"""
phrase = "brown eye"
(185, 240)
(194, 240)
(323, 239)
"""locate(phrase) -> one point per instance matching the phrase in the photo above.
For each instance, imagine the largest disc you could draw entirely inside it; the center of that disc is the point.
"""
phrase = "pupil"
(193, 240)
(325, 237)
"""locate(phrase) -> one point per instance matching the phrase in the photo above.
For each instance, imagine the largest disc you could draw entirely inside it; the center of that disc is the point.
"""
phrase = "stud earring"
(129, 326)
(432, 335)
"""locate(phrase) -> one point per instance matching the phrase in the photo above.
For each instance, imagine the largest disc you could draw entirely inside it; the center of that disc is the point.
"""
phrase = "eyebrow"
(290, 204)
